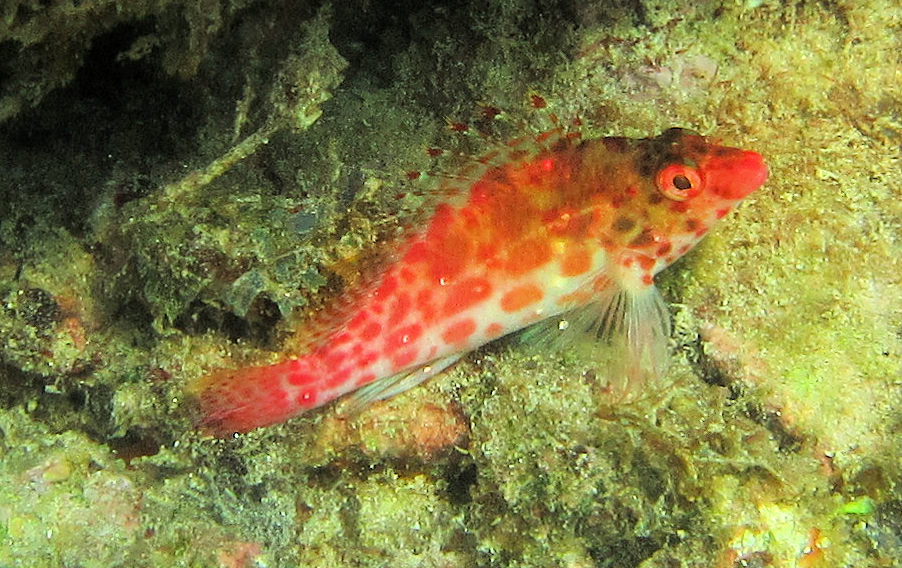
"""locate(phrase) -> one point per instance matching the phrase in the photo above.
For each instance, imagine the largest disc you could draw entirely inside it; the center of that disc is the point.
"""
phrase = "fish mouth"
(733, 173)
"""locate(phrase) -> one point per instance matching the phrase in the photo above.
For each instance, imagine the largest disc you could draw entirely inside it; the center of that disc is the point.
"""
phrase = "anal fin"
(390, 386)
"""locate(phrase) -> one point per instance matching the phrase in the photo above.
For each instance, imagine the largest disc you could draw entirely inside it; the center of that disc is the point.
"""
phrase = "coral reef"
(185, 183)
(45, 44)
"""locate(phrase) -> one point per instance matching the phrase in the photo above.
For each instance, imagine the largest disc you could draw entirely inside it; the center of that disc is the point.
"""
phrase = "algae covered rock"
(185, 184)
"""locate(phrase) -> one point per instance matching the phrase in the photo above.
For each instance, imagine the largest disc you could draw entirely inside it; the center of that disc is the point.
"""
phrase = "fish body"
(568, 225)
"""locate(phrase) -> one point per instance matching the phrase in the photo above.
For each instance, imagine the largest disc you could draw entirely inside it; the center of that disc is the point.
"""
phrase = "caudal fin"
(239, 400)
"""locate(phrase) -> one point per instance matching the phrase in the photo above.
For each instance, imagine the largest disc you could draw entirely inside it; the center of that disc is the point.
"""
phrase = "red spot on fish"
(371, 331)
(465, 294)
(521, 297)
(400, 308)
(528, 256)
(577, 260)
(364, 379)
(366, 358)
(494, 329)
(361, 318)
(342, 338)
(460, 331)
(339, 377)
(418, 253)
(425, 303)
(307, 398)
(404, 359)
(335, 358)
(402, 337)
(646, 262)
(299, 378)
(387, 288)
(408, 275)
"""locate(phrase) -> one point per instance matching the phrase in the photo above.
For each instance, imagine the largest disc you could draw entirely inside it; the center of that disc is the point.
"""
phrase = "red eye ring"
(679, 182)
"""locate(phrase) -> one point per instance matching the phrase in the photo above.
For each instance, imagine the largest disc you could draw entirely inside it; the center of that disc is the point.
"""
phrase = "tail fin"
(239, 400)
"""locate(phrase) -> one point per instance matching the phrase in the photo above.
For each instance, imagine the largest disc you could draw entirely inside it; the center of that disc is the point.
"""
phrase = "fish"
(563, 229)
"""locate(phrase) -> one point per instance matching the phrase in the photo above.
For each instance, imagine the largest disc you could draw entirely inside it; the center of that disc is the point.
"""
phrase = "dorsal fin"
(495, 137)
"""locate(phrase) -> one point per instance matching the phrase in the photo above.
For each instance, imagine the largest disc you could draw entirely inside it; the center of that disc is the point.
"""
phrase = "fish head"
(676, 187)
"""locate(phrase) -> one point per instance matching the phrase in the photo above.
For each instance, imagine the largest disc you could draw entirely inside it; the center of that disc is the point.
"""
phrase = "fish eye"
(679, 182)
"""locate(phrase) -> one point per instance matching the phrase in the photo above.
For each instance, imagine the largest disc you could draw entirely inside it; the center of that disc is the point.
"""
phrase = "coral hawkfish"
(559, 227)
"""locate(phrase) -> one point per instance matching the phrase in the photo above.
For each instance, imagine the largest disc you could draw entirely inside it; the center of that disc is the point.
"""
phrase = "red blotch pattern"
(577, 260)
(459, 332)
(404, 359)
(403, 337)
(426, 306)
(466, 294)
(494, 329)
(371, 331)
(521, 297)
(307, 398)
(529, 255)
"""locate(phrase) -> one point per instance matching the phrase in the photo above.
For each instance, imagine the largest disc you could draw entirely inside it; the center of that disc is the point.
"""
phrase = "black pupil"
(681, 182)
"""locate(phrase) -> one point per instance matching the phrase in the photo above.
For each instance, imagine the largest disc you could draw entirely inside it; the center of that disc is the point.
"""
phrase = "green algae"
(782, 401)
